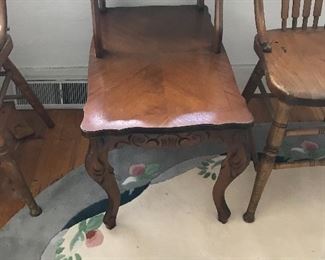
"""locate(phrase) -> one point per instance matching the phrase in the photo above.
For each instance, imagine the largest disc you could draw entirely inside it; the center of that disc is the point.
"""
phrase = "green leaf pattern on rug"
(94, 223)
(207, 168)
(59, 250)
(84, 227)
(79, 236)
(64, 257)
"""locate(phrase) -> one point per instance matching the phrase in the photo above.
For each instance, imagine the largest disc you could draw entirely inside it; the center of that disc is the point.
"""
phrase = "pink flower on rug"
(137, 170)
(309, 146)
(94, 238)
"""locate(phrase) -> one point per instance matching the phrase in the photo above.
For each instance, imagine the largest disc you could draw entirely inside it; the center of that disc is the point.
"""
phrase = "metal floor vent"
(56, 94)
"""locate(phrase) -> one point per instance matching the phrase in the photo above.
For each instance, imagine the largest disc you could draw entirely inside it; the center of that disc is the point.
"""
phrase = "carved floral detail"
(162, 140)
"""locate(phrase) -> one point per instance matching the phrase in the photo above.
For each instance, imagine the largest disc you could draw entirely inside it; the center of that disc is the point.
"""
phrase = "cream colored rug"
(176, 219)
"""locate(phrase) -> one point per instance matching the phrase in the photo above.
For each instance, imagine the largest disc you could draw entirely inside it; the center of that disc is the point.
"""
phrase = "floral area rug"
(76, 198)
(176, 219)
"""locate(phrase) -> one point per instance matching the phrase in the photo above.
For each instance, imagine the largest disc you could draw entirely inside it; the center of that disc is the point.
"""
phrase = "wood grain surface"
(160, 71)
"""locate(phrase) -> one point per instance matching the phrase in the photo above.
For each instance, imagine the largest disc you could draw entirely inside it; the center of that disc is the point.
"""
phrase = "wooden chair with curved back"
(8, 165)
(293, 61)
(160, 76)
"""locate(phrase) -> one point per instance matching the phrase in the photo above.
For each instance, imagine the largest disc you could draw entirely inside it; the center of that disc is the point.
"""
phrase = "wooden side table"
(160, 76)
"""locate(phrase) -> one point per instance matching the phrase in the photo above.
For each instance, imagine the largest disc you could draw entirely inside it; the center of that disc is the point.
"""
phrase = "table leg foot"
(249, 217)
(35, 212)
(224, 215)
(110, 222)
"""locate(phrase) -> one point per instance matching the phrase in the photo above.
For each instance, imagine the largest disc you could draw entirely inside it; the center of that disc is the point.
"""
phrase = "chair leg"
(22, 84)
(237, 160)
(102, 172)
(265, 166)
(253, 81)
(11, 169)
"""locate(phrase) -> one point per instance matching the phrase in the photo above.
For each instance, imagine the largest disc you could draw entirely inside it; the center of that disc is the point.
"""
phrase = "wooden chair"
(8, 70)
(293, 61)
(160, 76)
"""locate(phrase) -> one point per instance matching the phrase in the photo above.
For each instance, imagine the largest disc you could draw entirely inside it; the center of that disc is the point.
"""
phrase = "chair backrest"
(301, 8)
(99, 6)
(3, 22)
(304, 9)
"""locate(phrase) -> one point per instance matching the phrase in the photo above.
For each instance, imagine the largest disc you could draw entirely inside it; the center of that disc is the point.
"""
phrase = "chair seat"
(160, 72)
(296, 67)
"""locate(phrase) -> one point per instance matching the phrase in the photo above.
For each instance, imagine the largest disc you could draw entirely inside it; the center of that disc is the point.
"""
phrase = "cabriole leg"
(102, 172)
(237, 160)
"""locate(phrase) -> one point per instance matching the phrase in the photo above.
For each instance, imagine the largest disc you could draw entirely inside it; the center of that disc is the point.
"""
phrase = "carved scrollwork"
(94, 165)
(238, 157)
(162, 140)
(239, 153)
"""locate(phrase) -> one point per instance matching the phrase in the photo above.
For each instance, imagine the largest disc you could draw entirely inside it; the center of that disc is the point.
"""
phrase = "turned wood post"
(3, 22)
(218, 26)
(97, 34)
(265, 166)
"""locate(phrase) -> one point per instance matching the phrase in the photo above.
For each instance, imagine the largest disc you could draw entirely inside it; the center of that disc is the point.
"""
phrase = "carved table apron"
(239, 152)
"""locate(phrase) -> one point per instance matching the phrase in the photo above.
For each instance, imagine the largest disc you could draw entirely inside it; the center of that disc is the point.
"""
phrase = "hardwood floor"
(44, 158)
(50, 154)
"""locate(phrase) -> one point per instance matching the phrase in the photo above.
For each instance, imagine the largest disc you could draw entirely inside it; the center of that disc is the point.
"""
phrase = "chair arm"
(3, 22)
(261, 27)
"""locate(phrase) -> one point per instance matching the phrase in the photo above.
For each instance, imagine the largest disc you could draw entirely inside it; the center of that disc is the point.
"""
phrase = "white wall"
(56, 33)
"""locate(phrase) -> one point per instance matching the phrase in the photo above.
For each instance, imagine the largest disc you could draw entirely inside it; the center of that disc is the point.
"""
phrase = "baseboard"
(55, 73)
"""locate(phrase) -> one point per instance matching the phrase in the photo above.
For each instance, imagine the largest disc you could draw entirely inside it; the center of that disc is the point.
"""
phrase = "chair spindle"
(295, 13)
(306, 13)
(285, 13)
(3, 22)
(317, 12)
